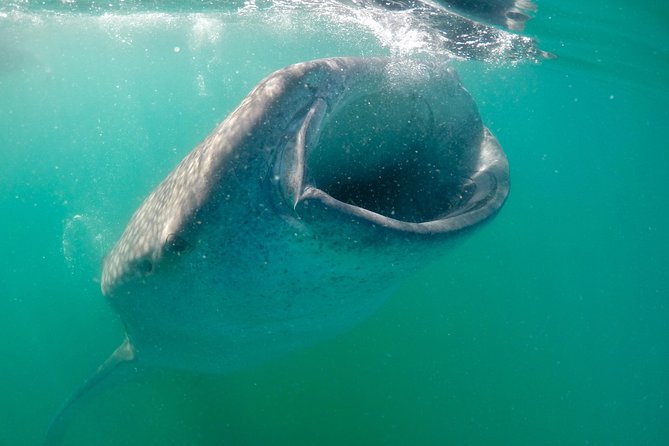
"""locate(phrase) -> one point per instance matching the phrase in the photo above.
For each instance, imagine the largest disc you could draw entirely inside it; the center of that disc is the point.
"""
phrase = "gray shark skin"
(510, 14)
(299, 214)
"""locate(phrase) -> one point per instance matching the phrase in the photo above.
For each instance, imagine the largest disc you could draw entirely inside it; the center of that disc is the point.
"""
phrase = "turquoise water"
(546, 327)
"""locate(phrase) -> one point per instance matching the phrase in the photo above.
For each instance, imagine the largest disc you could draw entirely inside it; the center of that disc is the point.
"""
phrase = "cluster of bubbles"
(412, 28)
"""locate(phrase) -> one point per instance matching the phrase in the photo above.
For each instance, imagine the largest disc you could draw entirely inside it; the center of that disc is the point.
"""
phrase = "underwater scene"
(405, 222)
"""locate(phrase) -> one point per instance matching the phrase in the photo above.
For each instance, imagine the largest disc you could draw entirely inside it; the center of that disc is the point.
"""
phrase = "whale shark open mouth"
(406, 160)
(371, 157)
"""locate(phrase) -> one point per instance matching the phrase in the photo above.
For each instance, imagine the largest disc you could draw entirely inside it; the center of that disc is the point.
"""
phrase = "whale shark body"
(299, 214)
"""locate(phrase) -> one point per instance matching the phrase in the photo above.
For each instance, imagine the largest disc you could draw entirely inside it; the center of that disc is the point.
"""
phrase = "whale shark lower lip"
(299, 214)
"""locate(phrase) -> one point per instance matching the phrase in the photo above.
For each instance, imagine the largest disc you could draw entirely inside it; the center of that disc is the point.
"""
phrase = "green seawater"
(548, 326)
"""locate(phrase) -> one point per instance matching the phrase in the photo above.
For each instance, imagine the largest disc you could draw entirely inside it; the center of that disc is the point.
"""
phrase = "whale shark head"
(300, 212)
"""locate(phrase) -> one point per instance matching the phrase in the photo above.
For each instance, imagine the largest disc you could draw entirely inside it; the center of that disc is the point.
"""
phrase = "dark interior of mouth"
(386, 155)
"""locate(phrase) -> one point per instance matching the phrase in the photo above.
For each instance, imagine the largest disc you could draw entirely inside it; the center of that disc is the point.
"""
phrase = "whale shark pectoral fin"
(115, 365)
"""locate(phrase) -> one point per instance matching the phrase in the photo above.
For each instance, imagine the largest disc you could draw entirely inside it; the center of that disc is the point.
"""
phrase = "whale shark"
(296, 217)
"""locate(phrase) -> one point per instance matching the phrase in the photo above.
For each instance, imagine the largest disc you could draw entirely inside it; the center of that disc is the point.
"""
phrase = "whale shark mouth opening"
(401, 160)
(385, 158)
